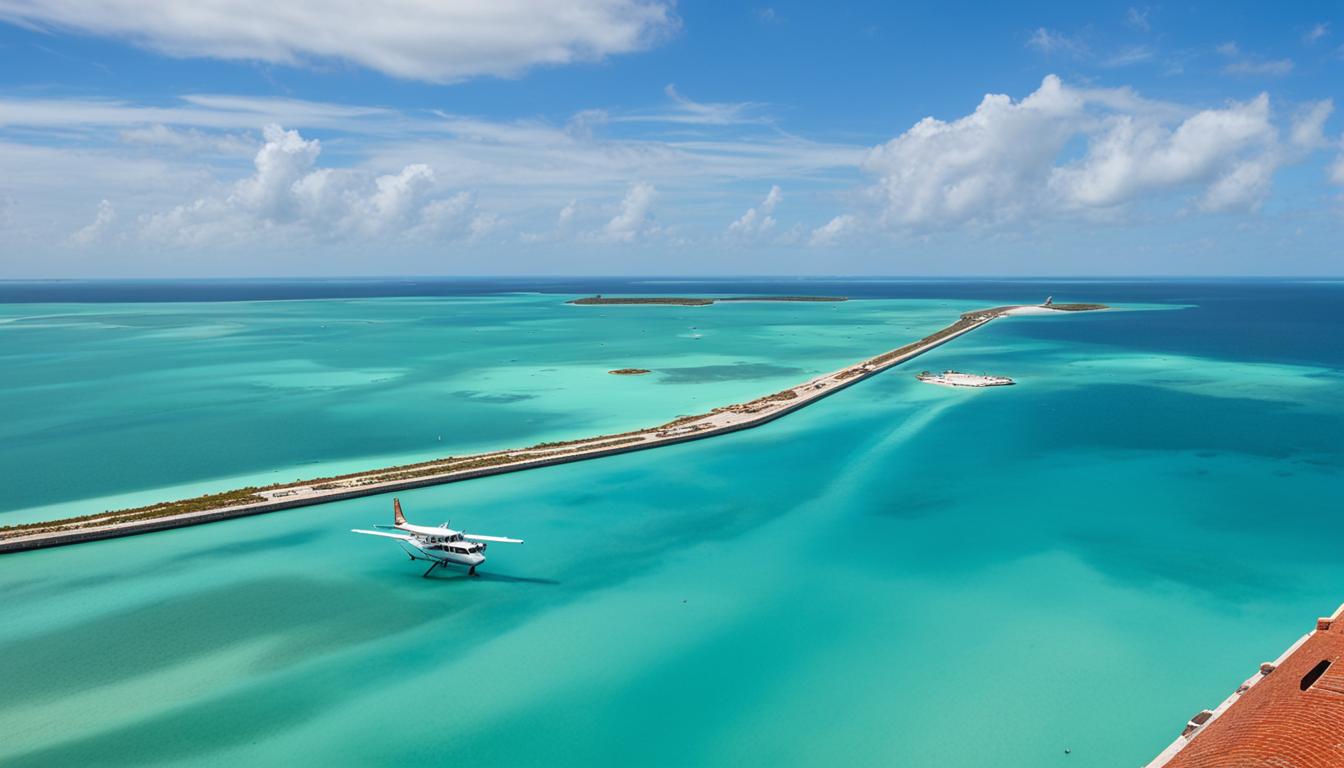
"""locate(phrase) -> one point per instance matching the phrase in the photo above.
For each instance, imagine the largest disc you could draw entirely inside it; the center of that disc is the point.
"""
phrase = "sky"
(154, 138)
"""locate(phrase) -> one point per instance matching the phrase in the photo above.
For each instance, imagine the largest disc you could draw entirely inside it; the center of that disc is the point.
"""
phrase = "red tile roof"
(1288, 715)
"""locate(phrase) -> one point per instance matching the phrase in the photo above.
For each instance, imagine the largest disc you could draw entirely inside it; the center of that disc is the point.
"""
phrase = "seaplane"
(438, 545)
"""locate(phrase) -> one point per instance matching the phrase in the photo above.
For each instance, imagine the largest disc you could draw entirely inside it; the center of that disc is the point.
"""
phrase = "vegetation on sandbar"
(682, 301)
(629, 371)
(676, 300)
(1078, 307)
(198, 504)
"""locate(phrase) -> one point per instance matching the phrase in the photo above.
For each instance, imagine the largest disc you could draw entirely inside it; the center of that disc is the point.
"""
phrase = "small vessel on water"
(959, 379)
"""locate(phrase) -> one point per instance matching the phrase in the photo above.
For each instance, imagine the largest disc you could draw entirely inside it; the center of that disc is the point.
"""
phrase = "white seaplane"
(438, 545)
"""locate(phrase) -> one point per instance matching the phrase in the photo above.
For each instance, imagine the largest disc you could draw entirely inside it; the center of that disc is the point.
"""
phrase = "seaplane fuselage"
(439, 545)
(449, 549)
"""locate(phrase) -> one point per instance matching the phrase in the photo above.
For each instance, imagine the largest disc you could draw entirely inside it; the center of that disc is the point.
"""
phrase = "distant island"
(629, 371)
(682, 301)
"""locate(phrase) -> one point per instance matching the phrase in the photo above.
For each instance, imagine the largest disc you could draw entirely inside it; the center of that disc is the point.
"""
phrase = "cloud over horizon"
(288, 193)
(439, 41)
(1063, 150)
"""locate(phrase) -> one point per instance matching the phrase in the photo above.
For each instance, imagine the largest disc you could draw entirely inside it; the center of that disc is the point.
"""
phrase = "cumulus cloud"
(979, 166)
(1337, 170)
(1063, 150)
(567, 213)
(633, 218)
(833, 230)
(758, 220)
(1308, 128)
(95, 229)
(1316, 32)
(286, 191)
(432, 40)
(1133, 155)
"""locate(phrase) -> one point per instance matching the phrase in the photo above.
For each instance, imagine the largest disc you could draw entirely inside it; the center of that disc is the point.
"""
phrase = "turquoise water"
(899, 575)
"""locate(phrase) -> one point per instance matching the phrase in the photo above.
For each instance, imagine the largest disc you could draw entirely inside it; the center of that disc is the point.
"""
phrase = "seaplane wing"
(384, 534)
(476, 537)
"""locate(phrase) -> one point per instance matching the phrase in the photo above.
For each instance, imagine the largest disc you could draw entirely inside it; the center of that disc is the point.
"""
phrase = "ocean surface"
(899, 575)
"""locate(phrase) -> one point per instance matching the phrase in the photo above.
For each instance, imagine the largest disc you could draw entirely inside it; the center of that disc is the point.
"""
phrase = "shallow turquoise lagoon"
(116, 405)
(899, 575)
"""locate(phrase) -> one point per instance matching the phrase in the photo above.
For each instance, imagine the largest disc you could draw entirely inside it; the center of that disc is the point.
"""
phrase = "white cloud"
(1052, 41)
(172, 172)
(197, 110)
(1072, 151)
(1308, 127)
(507, 153)
(1337, 170)
(189, 140)
(1138, 18)
(1252, 65)
(567, 213)
(1316, 32)
(432, 40)
(1135, 155)
(833, 230)
(984, 165)
(95, 229)
(1134, 54)
(288, 193)
(407, 178)
(701, 113)
(1244, 186)
(482, 224)
(448, 214)
(758, 220)
(633, 218)
(282, 182)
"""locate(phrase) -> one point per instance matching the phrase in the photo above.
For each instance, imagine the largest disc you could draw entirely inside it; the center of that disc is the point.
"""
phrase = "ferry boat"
(959, 379)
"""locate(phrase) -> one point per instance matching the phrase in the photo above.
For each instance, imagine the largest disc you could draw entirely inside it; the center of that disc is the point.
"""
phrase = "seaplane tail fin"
(397, 516)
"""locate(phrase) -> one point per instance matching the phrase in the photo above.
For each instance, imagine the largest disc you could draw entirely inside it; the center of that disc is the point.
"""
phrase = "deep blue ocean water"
(899, 575)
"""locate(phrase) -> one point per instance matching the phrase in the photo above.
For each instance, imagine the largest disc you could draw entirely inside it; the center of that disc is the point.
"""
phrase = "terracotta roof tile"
(1290, 717)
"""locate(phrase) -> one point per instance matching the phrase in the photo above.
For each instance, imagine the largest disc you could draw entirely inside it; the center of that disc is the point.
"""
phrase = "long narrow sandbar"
(681, 301)
(253, 501)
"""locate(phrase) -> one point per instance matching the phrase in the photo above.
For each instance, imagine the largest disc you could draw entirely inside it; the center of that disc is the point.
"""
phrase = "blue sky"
(153, 138)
